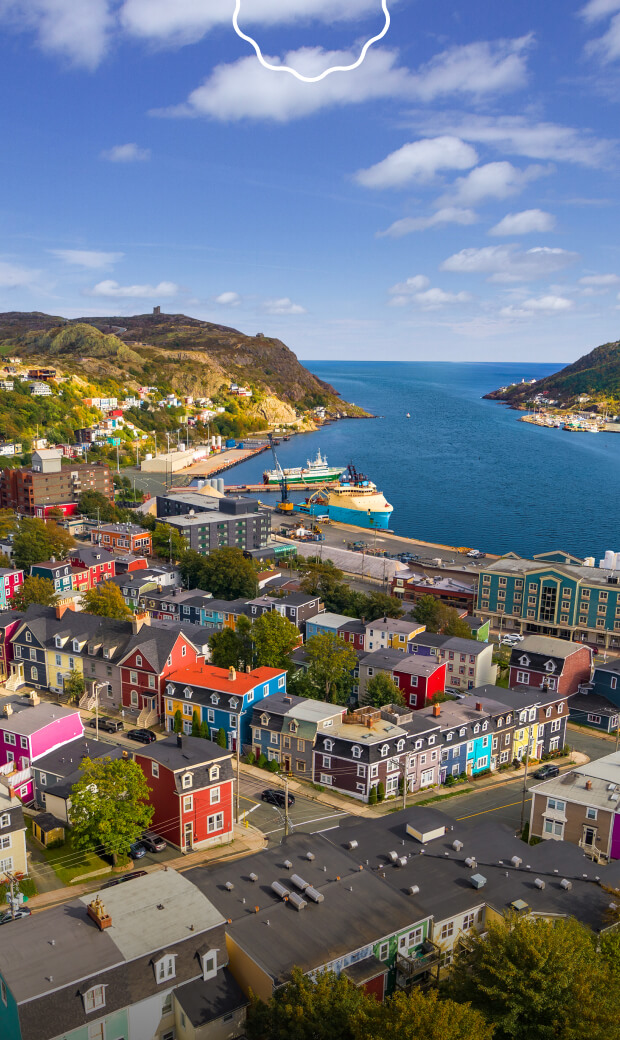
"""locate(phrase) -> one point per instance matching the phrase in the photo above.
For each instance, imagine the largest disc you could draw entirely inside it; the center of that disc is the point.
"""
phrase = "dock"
(238, 489)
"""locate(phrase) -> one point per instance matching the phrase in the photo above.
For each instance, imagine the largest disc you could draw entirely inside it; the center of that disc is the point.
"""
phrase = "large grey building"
(209, 523)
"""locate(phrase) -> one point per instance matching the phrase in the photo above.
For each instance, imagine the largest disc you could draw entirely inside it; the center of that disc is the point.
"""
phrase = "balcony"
(419, 968)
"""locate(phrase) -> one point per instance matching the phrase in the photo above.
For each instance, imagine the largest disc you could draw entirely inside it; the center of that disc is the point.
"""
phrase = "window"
(384, 951)
(384, 751)
(468, 921)
(560, 708)
(5, 843)
(188, 803)
(447, 930)
(361, 770)
(215, 823)
(58, 660)
(594, 719)
(94, 998)
(133, 678)
(138, 661)
(9, 738)
(164, 968)
(326, 779)
(209, 964)
(186, 780)
(555, 803)
(154, 768)
(215, 795)
(523, 677)
(591, 814)
(327, 762)
(554, 828)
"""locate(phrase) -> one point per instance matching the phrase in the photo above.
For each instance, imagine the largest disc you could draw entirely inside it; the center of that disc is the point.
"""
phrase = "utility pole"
(118, 465)
(617, 736)
(527, 762)
(97, 712)
(286, 819)
(237, 793)
(12, 880)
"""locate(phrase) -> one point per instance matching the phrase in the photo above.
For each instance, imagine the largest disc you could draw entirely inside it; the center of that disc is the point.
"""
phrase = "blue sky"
(454, 198)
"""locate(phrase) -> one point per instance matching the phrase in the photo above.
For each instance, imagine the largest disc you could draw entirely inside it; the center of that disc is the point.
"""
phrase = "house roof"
(189, 753)
(91, 556)
(328, 619)
(122, 529)
(609, 666)
(395, 625)
(603, 777)
(28, 720)
(64, 760)
(545, 647)
(429, 639)
(591, 703)
(385, 659)
(212, 678)
(418, 664)
(203, 1002)
(517, 565)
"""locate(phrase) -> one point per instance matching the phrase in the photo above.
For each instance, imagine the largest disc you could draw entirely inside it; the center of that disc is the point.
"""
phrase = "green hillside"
(596, 374)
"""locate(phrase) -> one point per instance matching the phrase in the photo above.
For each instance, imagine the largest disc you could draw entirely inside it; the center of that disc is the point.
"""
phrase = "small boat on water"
(408, 416)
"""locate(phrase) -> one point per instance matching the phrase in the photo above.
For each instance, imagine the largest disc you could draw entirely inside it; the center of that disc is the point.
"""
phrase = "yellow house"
(12, 834)
(524, 735)
(63, 657)
(394, 633)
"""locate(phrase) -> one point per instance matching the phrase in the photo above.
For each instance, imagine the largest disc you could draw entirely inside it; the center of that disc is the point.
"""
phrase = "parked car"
(143, 736)
(547, 771)
(137, 850)
(22, 911)
(124, 877)
(275, 797)
(153, 842)
(475, 554)
(107, 725)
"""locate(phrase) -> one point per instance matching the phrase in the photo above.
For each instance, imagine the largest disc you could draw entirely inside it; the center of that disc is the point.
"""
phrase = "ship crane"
(284, 505)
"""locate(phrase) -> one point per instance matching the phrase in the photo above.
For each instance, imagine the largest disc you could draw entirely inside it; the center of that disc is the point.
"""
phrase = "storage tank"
(219, 484)
(218, 441)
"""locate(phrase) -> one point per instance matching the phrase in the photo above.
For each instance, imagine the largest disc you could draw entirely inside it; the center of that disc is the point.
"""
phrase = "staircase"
(147, 717)
(14, 682)
(88, 701)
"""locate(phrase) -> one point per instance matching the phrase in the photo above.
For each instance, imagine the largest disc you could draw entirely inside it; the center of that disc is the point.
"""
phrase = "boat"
(315, 471)
(353, 500)
(408, 416)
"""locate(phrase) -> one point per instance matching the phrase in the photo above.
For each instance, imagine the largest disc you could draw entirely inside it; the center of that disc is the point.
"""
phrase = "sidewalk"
(247, 840)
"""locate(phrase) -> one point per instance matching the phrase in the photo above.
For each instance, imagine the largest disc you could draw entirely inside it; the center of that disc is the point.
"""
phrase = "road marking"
(495, 808)
(248, 811)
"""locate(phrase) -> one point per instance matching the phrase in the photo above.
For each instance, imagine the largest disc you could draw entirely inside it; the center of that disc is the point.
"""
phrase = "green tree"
(168, 543)
(332, 662)
(427, 611)
(177, 724)
(379, 605)
(35, 590)
(195, 724)
(535, 979)
(204, 729)
(381, 689)
(221, 740)
(329, 1008)
(228, 574)
(275, 637)
(380, 791)
(74, 686)
(424, 1016)
(110, 806)
(452, 624)
(97, 506)
(226, 649)
(243, 631)
(36, 541)
(8, 522)
(106, 600)
(372, 795)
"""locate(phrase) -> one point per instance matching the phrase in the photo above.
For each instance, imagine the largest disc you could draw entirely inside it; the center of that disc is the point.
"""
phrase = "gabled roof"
(541, 648)
(184, 753)
(208, 677)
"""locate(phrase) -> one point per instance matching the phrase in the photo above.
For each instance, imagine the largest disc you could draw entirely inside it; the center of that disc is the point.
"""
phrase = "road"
(306, 815)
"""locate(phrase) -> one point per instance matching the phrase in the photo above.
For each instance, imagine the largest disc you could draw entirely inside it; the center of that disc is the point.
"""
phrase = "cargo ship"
(315, 471)
(353, 500)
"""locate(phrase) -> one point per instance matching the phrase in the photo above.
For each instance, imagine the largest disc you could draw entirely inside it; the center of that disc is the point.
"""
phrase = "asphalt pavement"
(306, 815)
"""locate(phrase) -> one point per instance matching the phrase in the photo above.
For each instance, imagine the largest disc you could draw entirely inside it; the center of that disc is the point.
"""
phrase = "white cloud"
(600, 279)
(447, 215)
(245, 90)
(76, 29)
(516, 135)
(509, 263)
(608, 45)
(89, 258)
(524, 223)
(430, 299)
(126, 153)
(419, 160)
(416, 283)
(416, 290)
(596, 9)
(12, 276)
(496, 180)
(228, 299)
(283, 306)
(538, 305)
(110, 288)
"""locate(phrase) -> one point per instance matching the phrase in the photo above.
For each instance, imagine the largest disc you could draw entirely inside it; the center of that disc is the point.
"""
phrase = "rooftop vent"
(516, 861)
(457, 845)
(299, 882)
(392, 856)
(539, 883)
(229, 886)
(588, 785)
(401, 861)
(253, 877)
(471, 862)
(566, 885)
(310, 856)
(280, 890)
(287, 864)
(413, 890)
(313, 894)
(478, 881)
(296, 900)
(352, 844)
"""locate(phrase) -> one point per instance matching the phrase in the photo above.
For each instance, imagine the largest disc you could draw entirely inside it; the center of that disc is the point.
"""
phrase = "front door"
(589, 835)
(188, 837)
(287, 763)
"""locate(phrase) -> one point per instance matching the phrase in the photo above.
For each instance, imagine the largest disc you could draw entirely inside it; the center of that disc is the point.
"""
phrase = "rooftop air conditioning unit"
(313, 894)
(471, 862)
(566, 885)
(413, 890)
(392, 856)
(280, 890)
(516, 861)
(478, 880)
(457, 845)
(539, 883)
(297, 901)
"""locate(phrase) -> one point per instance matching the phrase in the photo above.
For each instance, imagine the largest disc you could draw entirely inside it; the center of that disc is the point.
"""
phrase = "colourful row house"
(11, 582)
(221, 698)
(28, 731)
(220, 613)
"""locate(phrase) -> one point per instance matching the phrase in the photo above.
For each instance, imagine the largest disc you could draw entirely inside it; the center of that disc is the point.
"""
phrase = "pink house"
(10, 582)
(29, 730)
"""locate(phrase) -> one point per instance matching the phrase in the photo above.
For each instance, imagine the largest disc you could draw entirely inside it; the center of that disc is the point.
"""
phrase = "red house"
(191, 790)
(153, 654)
(419, 679)
(558, 663)
(98, 562)
(10, 621)
(353, 632)
(12, 582)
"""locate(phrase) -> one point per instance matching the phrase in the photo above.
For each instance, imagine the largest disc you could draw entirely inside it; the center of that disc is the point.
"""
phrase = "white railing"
(16, 778)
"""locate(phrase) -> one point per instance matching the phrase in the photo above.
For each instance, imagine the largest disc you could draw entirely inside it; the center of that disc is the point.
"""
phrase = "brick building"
(48, 484)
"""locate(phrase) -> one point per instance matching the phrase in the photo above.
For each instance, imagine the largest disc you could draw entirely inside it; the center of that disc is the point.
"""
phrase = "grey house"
(284, 728)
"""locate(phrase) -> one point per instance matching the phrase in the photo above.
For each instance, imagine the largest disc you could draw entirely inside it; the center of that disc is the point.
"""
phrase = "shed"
(47, 829)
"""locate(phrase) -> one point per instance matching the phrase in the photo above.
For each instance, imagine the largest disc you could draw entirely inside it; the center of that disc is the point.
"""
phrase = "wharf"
(226, 459)
(235, 489)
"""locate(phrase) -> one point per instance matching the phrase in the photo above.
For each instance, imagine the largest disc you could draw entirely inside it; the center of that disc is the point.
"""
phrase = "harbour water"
(463, 471)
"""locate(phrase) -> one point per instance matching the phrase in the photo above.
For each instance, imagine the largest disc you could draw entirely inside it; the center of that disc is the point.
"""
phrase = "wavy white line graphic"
(298, 75)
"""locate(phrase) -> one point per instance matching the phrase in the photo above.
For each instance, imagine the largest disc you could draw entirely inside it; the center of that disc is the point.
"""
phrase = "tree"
(228, 574)
(220, 739)
(74, 686)
(106, 600)
(243, 631)
(226, 649)
(8, 522)
(382, 689)
(177, 724)
(379, 605)
(372, 795)
(535, 979)
(168, 543)
(329, 1008)
(424, 1016)
(109, 806)
(35, 590)
(275, 637)
(204, 729)
(36, 541)
(97, 506)
(195, 724)
(332, 662)
(452, 624)
(427, 611)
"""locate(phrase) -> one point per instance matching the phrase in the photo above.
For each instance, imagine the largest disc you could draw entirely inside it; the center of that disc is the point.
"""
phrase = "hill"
(596, 375)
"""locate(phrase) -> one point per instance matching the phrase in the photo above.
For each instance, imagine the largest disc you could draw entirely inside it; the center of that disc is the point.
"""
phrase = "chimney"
(179, 740)
(436, 710)
(62, 608)
(138, 620)
(98, 913)
(588, 785)
(232, 675)
(8, 710)
(479, 706)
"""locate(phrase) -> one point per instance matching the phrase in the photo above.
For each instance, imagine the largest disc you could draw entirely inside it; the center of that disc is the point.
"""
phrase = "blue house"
(220, 698)
(58, 573)
(325, 622)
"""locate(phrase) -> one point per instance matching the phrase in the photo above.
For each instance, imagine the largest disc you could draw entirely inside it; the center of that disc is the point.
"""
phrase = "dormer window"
(93, 998)
(329, 745)
(431, 740)
(462, 732)
(188, 692)
(165, 968)
(58, 641)
(400, 745)
(138, 661)
(508, 719)
(209, 964)
(233, 703)
(485, 725)
(293, 725)
(186, 780)
(477, 728)
(385, 751)
(76, 646)
(214, 773)
(264, 720)
(106, 654)
(170, 688)
(215, 699)
(500, 723)
(449, 736)
(549, 666)
(356, 752)
(524, 661)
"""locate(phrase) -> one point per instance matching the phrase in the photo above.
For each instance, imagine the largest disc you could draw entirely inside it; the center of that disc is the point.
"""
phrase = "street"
(305, 815)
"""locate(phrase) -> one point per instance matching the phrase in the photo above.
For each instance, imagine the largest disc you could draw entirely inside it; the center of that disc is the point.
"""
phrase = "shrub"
(450, 780)
(250, 758)
(380, 791)
(372, 796)
(262, 761)
(525, 833)
(273, 766)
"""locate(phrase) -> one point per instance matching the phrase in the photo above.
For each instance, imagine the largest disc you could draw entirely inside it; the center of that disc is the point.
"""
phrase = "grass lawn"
(69, 863)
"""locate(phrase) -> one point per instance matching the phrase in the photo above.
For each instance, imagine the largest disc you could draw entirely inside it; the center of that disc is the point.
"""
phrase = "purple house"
(28, 731)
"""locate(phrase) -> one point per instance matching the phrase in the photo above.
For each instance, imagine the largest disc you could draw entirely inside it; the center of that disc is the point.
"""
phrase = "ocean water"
(461, 470)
